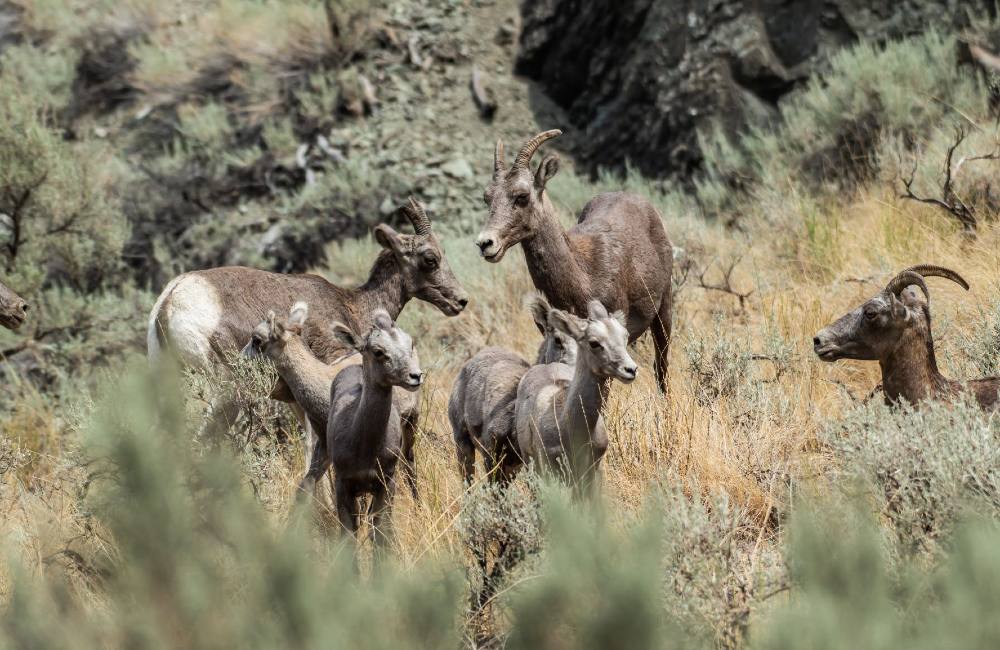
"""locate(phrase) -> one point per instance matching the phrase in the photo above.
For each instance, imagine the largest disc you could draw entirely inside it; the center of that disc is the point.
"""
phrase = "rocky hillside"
(638, 78)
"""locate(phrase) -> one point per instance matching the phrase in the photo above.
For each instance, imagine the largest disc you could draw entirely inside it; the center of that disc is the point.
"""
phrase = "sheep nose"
(417, 376)
(631, 371)
(483, 243)
(816, 342)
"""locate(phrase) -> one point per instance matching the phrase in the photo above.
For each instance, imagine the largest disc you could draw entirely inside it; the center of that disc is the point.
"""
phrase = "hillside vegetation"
(771, 501)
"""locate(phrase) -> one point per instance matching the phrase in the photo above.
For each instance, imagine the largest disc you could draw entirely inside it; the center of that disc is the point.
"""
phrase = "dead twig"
(726, 286)
(950, 201)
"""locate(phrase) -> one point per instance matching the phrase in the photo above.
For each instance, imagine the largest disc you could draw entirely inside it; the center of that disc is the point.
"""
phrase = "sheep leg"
(409, 431)
(347, 504)
(318, 465)
(309, 436)
(466, 453)
(661, 328)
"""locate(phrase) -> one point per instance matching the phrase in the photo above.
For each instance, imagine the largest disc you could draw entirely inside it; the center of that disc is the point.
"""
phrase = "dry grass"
(755, 438)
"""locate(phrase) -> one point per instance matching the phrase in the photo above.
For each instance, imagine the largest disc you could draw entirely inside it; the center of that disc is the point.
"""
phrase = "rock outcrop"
(637, 77)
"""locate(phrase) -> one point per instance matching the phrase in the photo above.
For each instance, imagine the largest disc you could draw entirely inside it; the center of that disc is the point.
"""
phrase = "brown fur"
(896, 332)
(618, 252)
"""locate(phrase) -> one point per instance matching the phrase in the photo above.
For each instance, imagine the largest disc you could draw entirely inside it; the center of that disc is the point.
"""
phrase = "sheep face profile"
(875, 330)
(894, 328)
(388, 353)
(516, 198)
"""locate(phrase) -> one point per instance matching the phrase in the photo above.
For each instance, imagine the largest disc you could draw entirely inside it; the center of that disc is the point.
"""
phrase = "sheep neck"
(910, 369)
(308, 378)
(382, 290)
(371, 417)
(553, 264)
(582, 407)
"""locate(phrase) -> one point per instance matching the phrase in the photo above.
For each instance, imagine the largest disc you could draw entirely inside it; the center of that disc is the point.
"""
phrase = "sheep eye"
(871, 314)
(378, 353)
(431, 262)
(594, 345)
(521, 200)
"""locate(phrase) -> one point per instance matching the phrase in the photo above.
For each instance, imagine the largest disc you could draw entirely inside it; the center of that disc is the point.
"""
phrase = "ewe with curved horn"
(894, 328)
(618, 252)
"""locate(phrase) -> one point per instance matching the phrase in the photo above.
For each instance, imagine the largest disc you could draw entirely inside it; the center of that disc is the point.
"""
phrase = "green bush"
(925, 467)
(831, 132)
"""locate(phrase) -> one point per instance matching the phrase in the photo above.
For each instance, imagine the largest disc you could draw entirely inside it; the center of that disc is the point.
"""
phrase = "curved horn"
(415, 213)
(498, 161)
(930, 270)
(905, 279)
(531, 146)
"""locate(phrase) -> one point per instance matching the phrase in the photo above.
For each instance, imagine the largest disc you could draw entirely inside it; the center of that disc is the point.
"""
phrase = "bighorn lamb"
(309, 379)
(481, 406)
(618, 252)
(13, 308)
(363, 434)
(558, 412)
(894, 328)
(203, 314)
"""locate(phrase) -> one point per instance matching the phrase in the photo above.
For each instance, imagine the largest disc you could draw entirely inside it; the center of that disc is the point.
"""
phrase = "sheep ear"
(298, 315)
(546, 170)
(388, 238)
(596, 311)
(899, 308)
(274, 328)
(539, 313)
(382, 320)
(346, 335)
(567, 323)
(620, 317)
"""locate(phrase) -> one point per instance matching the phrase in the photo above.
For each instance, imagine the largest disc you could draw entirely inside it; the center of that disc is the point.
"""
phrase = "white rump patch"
(193, 313)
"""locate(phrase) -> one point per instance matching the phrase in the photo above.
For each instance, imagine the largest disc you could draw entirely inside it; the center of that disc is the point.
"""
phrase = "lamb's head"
(873, 330)
(271, 335)
(602, 341)
(557, 346)
(13, 308)
(387, 351)
(423, 267)
(515, 198)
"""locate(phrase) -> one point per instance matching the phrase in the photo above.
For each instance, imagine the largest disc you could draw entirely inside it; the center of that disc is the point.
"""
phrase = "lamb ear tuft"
(596, 311)
(346, 335)
(567, 323)
(298, 314)
(539, 312)
(382, 320)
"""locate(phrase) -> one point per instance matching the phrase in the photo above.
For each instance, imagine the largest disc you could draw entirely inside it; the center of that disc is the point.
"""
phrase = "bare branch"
(950, 201)
(726, 286)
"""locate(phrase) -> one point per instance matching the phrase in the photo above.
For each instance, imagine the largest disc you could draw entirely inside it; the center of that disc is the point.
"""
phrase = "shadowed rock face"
(638, 76)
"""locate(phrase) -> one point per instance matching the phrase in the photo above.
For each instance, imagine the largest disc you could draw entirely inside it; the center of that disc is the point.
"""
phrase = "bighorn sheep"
(363, 434)
(558, 412)
(894, 328)
(13, 308)
(618, 252)
(309, 379)
(481, 406)
(203, 314)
